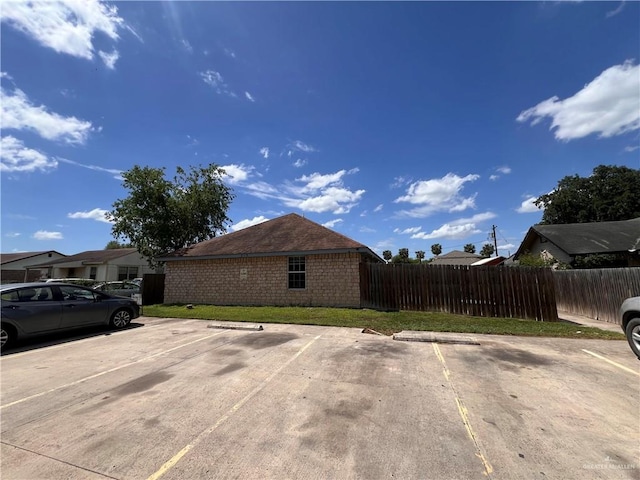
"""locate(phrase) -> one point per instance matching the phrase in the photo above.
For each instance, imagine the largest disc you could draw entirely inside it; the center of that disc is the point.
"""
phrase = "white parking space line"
(110, 370)
(622, 367)
(82, 340)
(176, 458)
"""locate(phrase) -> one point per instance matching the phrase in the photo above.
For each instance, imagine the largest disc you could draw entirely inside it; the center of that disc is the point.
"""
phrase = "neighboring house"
(285, 261)
(101, 265)
(566, 242)
(489, 261)
(14, 265)
(456, 257)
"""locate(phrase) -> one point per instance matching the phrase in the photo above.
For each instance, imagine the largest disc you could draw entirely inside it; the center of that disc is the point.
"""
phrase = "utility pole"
(493, 237)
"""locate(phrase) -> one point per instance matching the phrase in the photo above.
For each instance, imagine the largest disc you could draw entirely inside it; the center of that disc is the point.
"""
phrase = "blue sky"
(396, 124)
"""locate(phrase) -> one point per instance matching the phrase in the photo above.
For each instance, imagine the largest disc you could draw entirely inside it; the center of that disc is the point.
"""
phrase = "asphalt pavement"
(174, 399)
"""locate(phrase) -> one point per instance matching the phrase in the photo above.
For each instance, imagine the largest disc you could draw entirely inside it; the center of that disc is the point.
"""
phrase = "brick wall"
(332, 280)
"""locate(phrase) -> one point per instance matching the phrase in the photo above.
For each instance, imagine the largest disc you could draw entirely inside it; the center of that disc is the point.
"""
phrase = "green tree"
(610, 193)
(159, 216)
(387, 255)
(470, 248)
(114, 244)
(420, 255)
(436, 249)
(487, 250)
(402, 256)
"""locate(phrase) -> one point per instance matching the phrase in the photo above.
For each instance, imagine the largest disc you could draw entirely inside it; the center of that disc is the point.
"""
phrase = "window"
(296, 272)
(93, 271)
(127, 273)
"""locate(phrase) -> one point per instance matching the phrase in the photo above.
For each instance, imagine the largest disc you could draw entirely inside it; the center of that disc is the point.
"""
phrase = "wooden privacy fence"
(596, 293)
(153, 288)
(479, 291)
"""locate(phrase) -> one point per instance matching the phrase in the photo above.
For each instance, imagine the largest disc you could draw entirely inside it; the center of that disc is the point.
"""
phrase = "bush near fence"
(479, 291)
(596, 293)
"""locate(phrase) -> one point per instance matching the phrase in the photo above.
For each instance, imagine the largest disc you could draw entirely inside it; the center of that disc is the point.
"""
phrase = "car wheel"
(633, 335)
(120, 318)
(7, 336)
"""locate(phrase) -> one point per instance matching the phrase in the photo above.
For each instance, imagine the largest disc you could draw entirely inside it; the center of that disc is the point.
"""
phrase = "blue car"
(31, 309)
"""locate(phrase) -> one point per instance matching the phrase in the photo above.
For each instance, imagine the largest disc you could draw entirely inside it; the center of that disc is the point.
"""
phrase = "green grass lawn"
(383, 322)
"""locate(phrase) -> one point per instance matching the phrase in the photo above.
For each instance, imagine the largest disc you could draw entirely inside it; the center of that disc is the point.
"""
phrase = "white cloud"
(18, 113)
(230, 53)
(264, 151)
(507, 246)
(97, 214)
(299, 163)
(494, 177)
(438, 194)
(6, 75)
(333, 199)
(631, 149)
(449, 231)
(365, 229)
(249, 97)
(15, 157)
(612, 13)
(248, 223)
(215, 80)
(117, 174)
(44, 235)
(299, 146)
(378, 208)
(303, 147)
(332, 223)
(236, 173)
(262, 190)
(504, 170)
(477, 218)
(320, 193)
(317, 181)
(400, 182)
(65, 26)
(12, 234)
(407, 231)
(608, 106)
(527, 206)
(187, 46)
(109, 59)
(457, 229)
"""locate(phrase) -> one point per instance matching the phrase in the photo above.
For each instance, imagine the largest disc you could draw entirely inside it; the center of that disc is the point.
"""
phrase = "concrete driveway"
(174, 399)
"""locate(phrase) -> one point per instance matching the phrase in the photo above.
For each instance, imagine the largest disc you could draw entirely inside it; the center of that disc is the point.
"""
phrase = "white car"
(630, 315)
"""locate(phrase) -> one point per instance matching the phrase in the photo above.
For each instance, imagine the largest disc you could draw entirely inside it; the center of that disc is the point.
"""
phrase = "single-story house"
(289, 260)
(100, 265)
(489, 261)
(566, 242)
(13, 266)
(455, 257)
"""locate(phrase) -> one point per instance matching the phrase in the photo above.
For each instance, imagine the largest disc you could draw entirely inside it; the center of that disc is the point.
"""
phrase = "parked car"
(124, 288)
(30, 309)
(85, 282)
(630, 315)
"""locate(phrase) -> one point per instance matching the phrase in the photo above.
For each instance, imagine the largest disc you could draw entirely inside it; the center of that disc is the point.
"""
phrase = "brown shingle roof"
(12, 257)
(94, 256)
(281, 236)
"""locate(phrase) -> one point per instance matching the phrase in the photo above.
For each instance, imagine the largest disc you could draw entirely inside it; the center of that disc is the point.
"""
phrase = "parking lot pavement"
(174, 399)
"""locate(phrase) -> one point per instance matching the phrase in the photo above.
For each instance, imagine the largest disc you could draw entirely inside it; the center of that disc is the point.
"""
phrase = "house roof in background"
(89, 257)
(489, 261)
(456, 257)
(284, 235)
(587, 238)
(14, 257)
